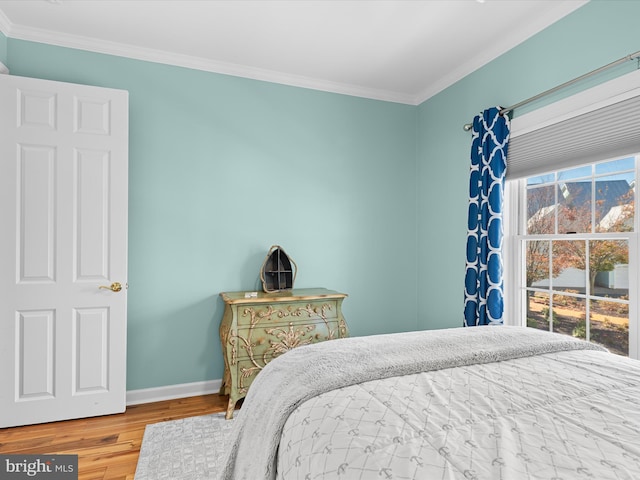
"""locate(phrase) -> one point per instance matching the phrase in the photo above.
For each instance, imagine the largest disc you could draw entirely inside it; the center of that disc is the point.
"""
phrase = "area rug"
(186, 449)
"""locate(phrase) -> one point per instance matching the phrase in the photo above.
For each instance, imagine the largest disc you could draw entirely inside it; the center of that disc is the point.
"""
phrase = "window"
(571, 226)
(576, 241)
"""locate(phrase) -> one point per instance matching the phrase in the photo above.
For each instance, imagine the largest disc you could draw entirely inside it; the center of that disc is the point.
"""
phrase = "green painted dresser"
(256, 329)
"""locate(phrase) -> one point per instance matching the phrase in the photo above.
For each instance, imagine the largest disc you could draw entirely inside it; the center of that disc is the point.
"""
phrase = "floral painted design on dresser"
(256, 329)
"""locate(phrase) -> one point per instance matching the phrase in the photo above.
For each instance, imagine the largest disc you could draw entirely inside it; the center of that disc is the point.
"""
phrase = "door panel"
(36, 213)
(91, 332)
(35, 354)
(91, 219)
(63, 200)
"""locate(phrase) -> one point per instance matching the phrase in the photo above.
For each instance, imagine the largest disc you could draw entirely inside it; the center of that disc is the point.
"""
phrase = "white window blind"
(602, 122)
(608, 132)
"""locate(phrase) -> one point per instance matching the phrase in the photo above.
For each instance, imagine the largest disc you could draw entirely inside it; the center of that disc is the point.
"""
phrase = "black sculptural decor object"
(278, 271)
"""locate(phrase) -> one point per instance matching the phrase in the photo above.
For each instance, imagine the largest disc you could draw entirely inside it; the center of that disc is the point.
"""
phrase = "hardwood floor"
(107, 447)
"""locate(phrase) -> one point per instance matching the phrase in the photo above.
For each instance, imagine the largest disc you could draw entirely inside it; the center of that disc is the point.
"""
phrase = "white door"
(63, 235)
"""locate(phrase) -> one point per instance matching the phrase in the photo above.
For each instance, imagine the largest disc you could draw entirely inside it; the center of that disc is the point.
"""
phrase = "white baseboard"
(170, 392)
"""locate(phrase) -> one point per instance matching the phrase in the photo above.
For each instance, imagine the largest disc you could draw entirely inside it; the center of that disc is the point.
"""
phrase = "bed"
(465, 403)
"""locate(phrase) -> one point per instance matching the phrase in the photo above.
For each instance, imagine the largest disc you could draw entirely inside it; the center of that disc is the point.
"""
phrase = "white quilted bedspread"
(567, 415)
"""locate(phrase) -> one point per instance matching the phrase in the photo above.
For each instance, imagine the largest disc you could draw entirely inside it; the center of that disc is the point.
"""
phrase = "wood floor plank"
(107, 447)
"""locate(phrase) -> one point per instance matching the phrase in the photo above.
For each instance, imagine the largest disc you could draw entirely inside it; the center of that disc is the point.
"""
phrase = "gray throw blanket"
(308, 371)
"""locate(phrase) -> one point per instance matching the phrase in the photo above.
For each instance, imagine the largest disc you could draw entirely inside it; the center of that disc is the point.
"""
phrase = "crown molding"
(5, 24)
(197, 63)
(562, 10)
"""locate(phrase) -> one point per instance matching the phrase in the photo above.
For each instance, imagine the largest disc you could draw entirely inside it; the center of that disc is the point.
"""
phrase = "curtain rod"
(633, 56)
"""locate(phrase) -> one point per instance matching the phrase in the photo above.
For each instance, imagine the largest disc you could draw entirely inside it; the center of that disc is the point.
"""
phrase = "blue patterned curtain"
(483, 301)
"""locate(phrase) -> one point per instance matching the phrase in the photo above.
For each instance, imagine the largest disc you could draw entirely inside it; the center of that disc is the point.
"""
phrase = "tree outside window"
(577, 251)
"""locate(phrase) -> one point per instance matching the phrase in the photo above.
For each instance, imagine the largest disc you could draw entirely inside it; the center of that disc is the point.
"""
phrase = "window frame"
(514, 256)
(514, 211)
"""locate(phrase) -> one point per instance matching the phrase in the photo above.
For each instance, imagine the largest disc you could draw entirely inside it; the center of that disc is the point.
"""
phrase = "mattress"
(565, 415)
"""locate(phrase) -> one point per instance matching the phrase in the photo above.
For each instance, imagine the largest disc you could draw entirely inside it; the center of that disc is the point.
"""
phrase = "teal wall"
(594, 35)
(368, 197)
(221, 168)
(3, 48)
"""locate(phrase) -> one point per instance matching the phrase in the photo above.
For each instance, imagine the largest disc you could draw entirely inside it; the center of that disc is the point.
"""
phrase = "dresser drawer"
(259, 346)
(266, 331)
(284, 313)
(263, 343)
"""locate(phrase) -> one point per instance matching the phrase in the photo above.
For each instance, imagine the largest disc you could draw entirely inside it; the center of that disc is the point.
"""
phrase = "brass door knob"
(114, 287)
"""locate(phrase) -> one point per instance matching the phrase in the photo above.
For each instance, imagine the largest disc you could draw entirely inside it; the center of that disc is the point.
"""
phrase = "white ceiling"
(394, 50)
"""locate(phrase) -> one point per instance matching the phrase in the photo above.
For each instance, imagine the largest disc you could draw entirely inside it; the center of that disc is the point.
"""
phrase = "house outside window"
(577, 238)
